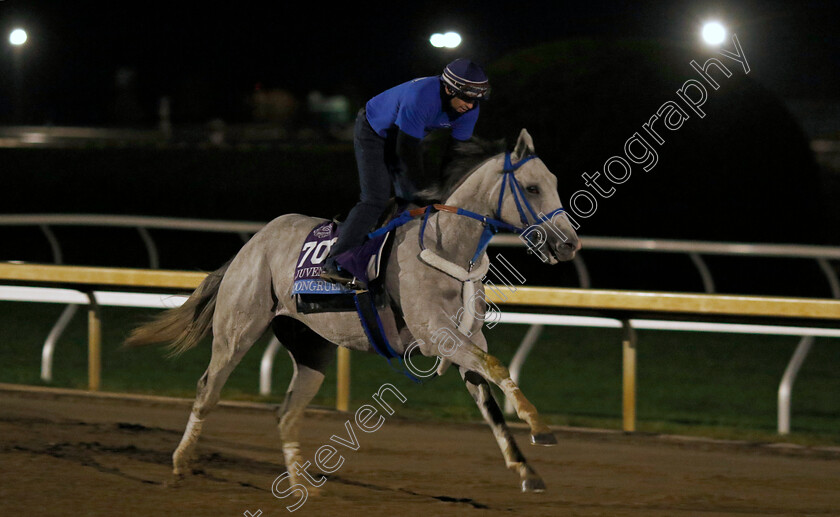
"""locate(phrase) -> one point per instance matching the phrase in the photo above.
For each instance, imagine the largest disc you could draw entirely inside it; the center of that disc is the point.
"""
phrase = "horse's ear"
(524, 146)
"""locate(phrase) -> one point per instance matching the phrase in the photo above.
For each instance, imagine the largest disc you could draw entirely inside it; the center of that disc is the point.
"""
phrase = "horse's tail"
(184, 326)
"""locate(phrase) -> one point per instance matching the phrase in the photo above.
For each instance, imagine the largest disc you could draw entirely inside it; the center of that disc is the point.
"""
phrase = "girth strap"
(372, 325)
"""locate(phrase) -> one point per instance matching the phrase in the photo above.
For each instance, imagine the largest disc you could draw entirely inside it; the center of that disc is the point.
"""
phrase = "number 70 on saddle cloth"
(318, 249)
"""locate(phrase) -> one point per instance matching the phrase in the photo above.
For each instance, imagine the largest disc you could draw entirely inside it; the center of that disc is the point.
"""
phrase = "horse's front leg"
(479, 388)
(514, 459)
(489, 367)
(448, 344)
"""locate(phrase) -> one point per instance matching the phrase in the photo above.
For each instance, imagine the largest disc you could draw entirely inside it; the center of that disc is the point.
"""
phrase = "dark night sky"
(76, 47)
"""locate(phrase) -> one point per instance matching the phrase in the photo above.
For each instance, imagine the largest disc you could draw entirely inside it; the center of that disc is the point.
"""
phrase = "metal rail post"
(48, 350)
(94, 345)
(799, 355)
(628, 345)
(342, 397)
(151, 249)
(49, 345)
(786, 386)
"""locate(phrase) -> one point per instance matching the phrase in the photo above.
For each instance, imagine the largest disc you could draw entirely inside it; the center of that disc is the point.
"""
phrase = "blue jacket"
(415, 107)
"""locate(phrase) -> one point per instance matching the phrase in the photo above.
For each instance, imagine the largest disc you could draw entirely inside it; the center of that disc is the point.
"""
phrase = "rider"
(387, 138)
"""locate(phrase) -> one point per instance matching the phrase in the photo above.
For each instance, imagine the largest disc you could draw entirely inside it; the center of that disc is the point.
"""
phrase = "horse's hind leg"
(232, 339)
(514, 459)
(311, 355)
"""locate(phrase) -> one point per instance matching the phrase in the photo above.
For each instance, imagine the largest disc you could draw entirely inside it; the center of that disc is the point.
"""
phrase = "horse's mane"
(464, 160)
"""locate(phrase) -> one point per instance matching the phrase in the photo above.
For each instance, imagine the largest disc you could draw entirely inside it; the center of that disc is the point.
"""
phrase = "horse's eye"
(533, 190)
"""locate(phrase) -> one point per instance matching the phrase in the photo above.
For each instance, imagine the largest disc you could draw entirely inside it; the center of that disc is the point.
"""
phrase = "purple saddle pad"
(363, 262)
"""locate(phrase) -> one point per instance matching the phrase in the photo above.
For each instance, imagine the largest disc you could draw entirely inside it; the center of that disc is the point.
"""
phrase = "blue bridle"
(491, 225)
(508, 178)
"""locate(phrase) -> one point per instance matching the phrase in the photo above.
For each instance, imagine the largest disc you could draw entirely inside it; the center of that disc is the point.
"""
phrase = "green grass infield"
(703, 384)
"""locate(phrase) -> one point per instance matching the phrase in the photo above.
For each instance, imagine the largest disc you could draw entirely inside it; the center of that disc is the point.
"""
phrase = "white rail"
(141, 223)
(694, 249)
(699, 247)
(129, 299)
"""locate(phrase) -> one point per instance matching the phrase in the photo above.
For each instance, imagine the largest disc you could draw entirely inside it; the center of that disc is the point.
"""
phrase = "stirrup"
(335, 275)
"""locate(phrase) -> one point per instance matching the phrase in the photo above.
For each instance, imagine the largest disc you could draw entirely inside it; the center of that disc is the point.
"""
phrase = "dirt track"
(69, 454)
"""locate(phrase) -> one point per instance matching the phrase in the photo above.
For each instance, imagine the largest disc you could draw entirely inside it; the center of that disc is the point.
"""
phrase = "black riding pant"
(380, 171)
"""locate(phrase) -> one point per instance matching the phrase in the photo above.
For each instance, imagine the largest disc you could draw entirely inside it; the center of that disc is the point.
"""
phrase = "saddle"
(367, 262)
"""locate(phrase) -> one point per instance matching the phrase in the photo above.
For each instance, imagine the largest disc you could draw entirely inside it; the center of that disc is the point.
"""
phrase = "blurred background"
(103, 99)
(246, 112)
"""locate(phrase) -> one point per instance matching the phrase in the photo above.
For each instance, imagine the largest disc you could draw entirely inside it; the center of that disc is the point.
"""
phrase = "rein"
(466, 276)
(491, 225)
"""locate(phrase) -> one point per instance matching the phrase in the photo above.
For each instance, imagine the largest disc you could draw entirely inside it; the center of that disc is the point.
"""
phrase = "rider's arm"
(463, 126)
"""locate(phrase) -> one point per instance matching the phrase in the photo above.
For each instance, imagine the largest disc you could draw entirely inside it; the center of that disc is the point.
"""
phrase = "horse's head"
(515, 189)
(526, 196)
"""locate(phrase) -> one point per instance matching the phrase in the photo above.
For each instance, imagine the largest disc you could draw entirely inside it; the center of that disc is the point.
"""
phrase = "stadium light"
(447, 40)
(713, 33)
(17, 37)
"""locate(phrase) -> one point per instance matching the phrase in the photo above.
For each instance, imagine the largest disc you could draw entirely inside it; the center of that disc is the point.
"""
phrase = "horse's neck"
(454, 237)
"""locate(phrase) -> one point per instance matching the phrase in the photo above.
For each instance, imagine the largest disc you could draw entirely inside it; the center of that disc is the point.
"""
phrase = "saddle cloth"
(365, 263)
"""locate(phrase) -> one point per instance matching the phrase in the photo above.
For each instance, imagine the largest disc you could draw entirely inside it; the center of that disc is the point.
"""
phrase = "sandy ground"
(67, 453)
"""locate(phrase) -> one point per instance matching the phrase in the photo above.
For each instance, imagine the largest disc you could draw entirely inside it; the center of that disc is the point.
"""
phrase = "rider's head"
(465, 83)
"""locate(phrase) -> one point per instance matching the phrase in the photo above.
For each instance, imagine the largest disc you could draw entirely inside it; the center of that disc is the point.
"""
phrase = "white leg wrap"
(191, 432)
(188, 442)
(290, 450)
(291, 454)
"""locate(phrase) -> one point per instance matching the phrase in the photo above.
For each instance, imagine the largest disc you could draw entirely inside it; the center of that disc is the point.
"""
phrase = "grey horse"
(424, 283)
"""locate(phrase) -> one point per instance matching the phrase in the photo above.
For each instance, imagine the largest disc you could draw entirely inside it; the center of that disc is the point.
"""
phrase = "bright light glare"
(453, 39)
(448, 40)
(17, 37)
(714, 33)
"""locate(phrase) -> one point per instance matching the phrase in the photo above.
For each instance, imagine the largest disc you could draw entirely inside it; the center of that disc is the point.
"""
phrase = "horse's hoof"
(176, 481)
(534, 484)
(546, 439)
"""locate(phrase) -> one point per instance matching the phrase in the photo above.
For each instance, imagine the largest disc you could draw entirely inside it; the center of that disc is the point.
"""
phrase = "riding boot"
(332, 272)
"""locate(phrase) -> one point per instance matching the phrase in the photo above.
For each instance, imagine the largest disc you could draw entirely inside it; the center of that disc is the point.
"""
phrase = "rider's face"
(460, 105)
